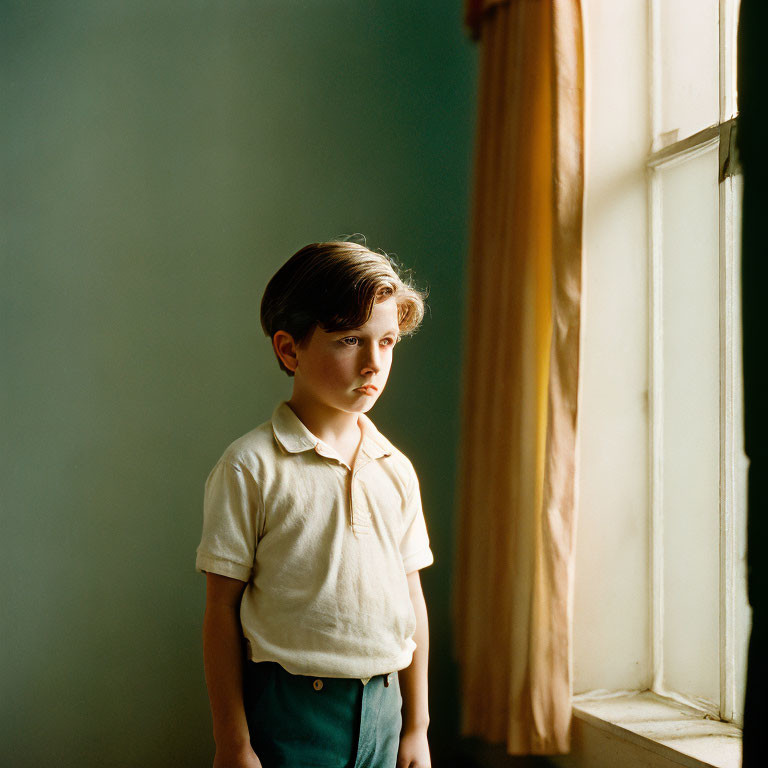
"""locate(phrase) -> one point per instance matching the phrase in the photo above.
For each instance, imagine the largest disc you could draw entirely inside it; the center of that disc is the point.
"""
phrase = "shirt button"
(318, 684)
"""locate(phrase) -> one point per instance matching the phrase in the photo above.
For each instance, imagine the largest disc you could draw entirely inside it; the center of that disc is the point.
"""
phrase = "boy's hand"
(243, 758)
(414, 749)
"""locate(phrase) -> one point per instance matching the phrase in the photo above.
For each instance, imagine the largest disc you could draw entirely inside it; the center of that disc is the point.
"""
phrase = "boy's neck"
(332, 426)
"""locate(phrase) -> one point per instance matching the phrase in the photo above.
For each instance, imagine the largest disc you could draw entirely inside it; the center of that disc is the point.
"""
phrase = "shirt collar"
(294, 437)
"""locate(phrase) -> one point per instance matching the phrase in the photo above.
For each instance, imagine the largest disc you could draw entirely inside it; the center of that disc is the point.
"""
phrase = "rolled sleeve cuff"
(418, 560)
(212, 564)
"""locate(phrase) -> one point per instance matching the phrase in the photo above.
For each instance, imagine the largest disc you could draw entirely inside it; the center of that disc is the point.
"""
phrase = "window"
(699, 611)
(660, 594)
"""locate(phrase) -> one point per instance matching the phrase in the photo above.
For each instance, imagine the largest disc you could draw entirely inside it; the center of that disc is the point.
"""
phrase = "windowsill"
(674, 731)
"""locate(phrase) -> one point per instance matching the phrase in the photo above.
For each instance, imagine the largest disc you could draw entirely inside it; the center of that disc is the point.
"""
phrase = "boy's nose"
(372, 363)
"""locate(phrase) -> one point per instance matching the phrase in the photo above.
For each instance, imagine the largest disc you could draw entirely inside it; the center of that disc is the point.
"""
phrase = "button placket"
(360, 515)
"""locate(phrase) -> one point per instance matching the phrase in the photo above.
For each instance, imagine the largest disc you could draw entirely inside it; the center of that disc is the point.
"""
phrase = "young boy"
(315, 633)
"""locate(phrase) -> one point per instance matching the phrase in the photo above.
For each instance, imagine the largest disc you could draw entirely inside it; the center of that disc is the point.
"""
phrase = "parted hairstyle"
(334, 285)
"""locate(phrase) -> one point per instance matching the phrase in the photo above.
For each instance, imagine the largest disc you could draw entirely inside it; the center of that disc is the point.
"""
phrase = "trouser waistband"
(387, 676)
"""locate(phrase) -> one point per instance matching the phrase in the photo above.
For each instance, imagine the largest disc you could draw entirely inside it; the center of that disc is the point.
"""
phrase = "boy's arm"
(223, 659)
(414, 749)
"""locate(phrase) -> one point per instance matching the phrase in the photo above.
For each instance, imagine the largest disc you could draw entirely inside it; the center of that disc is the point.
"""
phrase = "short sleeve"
(231, 513)
(414, 545)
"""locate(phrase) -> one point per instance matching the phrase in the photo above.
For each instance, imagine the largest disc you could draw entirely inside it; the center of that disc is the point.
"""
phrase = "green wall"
(160, 160)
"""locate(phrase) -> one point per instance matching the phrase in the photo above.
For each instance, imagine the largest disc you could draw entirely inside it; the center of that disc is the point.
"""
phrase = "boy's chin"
(362, 407)
(363, 404)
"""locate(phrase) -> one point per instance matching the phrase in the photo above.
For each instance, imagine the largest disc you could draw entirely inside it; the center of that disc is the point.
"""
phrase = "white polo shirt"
(325, 548)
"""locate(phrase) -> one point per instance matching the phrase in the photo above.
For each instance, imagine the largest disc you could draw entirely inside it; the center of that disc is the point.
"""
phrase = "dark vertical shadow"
(472, 752)
(753, 150)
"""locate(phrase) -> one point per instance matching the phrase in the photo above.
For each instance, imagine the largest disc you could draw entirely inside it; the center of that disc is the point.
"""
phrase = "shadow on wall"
(473, 753)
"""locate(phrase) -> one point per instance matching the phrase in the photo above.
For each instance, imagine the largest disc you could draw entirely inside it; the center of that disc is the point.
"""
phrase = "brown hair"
(334, 285)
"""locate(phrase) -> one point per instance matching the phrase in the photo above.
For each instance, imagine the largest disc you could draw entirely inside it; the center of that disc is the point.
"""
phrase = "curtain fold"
(517, 513)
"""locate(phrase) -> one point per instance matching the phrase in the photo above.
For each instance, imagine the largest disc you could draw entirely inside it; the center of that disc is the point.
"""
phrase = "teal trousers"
(321, 722)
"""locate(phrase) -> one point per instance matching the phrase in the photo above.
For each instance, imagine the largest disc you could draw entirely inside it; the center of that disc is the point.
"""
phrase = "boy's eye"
(353, 341)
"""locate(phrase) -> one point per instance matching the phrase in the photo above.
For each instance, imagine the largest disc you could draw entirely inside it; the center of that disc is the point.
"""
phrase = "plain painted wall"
(160, 160)
(611, 639)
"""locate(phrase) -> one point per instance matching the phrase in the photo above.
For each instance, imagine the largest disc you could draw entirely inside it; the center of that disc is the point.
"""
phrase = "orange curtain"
(517, 512)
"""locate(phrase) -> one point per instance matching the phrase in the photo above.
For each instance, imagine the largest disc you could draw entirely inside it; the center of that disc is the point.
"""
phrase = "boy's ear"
(285, 349)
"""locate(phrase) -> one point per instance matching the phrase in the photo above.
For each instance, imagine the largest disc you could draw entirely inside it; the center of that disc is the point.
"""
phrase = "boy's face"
(334, 367)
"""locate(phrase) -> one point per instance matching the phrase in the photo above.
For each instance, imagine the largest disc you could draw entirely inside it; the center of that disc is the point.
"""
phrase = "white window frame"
(663, 156)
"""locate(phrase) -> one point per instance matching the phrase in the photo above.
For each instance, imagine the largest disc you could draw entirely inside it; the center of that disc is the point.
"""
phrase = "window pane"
(691, 426)
(729, 21)
(688, 36)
